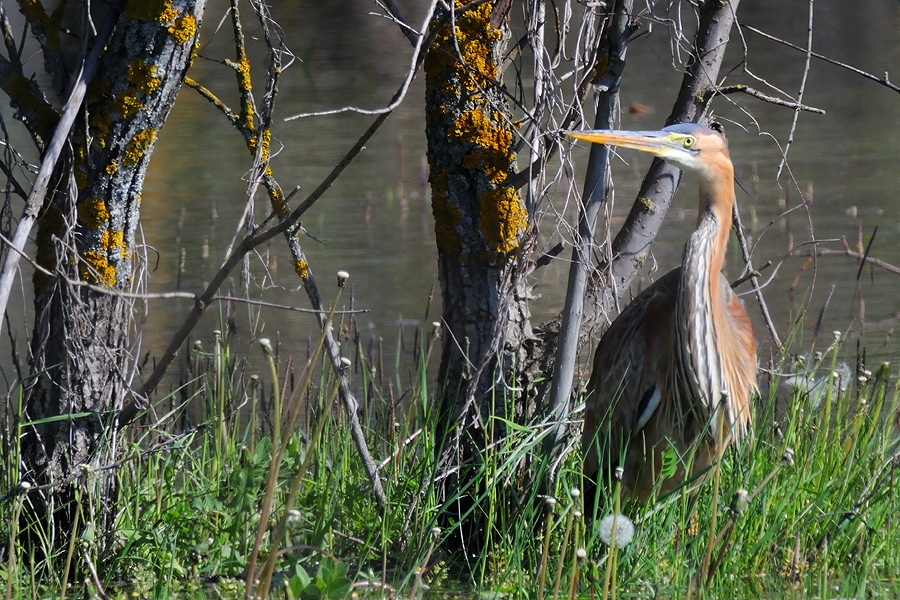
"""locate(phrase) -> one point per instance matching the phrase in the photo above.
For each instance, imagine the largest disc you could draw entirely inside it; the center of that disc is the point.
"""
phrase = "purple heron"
(682, 356)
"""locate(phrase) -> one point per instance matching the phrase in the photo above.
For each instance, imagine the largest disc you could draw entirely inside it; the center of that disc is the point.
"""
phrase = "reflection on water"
(375, 222)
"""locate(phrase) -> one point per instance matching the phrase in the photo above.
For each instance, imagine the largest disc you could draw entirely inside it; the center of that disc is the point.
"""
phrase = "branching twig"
(753, 276)
(746, 89)
(884, 80)
(800, 92)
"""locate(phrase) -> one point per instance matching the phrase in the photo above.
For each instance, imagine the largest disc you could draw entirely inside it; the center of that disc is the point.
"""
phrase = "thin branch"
(415, 61)
(883, 80)
(801, 91)
(746, 89)
(754, 277)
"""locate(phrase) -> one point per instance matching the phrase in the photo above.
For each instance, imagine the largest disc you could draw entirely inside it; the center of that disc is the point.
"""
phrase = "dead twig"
(746, 89)
(883, 80)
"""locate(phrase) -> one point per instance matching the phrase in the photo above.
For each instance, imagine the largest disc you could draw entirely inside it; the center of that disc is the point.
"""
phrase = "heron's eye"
(688, 141)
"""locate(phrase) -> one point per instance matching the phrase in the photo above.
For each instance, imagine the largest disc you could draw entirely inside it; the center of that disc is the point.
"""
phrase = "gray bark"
(80, 353)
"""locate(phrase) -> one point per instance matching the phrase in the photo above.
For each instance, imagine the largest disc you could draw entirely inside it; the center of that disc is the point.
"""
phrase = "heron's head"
(688, 146)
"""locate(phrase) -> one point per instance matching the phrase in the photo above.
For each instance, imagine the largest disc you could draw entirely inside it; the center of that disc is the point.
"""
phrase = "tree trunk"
(480, 224)
(86, 235)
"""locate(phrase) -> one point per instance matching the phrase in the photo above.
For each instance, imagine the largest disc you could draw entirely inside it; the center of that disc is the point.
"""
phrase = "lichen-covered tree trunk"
(86, 235)
(480, 225)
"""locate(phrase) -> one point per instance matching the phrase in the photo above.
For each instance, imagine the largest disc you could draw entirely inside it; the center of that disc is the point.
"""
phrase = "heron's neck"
(699, 303)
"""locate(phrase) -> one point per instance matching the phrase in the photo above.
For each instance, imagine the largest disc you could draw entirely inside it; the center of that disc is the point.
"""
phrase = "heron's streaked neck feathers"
(699, 302)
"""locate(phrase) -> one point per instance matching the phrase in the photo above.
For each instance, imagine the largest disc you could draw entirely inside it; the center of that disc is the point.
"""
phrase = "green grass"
(225, 480)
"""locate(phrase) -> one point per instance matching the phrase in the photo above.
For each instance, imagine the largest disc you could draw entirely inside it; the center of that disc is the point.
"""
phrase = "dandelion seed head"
(575, 492)
(581, 554)
(622, 526)
(787, 459)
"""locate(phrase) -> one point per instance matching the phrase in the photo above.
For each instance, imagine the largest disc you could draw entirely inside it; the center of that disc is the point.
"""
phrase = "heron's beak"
(658, 143)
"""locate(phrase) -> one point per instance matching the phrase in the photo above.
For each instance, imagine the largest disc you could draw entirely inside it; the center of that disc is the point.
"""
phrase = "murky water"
(376, 220)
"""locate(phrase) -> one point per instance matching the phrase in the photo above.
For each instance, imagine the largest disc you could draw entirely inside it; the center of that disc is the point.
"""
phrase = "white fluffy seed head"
(342, 277)
(266, 344)
(616, 529)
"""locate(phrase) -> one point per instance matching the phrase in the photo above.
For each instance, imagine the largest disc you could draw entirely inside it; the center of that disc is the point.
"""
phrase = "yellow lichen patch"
(276, 197)
(245, 86)
(95, 268)
(476, 127)
(502, 219)
(93, 212)
(112, 168)
(95, 265)
(183, 29)
(266, 143)
(492, 153)
(474, 37)
(138, 146)
(142, 77)
(113, 241)
(301, 268)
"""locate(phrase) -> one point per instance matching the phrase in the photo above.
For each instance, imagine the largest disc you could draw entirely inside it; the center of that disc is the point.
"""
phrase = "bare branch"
(745, 89)
(883, 80)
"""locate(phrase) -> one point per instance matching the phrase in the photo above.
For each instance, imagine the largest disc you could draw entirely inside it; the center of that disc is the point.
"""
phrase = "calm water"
(376, 221)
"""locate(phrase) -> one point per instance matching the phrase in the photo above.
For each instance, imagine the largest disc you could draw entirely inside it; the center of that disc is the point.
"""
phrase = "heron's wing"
(631, 364)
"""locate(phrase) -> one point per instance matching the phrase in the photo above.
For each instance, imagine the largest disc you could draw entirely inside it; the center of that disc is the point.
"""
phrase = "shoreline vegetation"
(806, 507)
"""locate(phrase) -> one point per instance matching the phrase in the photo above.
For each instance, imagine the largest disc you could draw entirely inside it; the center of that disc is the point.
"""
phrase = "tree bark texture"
(480, 222)
(80, 354)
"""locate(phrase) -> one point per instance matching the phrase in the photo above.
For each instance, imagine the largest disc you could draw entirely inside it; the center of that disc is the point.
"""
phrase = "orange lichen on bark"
(301, 268)
(502, 219)
(93, 212)
(138, 146)
(475, 38)
(183, 29)
(142, 77)
(142, 82)
(95, 265)
(492, 151)
(462, 65)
